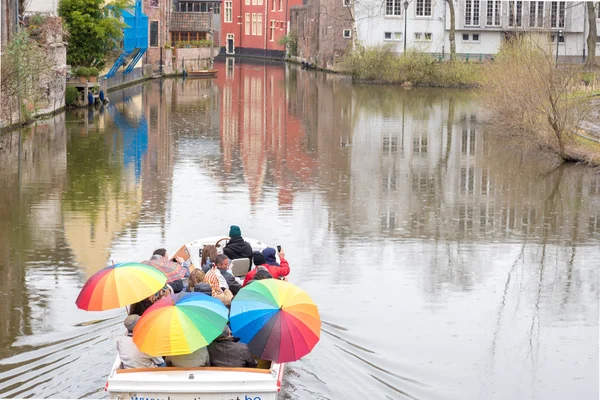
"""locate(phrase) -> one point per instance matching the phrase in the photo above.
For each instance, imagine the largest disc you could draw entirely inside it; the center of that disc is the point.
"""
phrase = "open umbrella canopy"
(180, 324)
(171, 269)
(277, 320)
(120, 285)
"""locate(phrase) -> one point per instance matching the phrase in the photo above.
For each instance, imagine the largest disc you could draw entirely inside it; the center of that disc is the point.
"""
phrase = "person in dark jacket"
(222, 262)
(227, 351)
(237, 247)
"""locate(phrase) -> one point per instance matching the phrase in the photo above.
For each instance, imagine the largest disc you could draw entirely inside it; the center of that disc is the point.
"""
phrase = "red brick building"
(255, 27)
(159, 16)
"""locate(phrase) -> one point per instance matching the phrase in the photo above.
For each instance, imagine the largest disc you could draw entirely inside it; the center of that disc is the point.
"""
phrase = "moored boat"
(207, 73)
(206, 383)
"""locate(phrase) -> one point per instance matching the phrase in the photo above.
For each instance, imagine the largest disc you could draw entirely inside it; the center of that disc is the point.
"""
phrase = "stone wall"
(190, 58)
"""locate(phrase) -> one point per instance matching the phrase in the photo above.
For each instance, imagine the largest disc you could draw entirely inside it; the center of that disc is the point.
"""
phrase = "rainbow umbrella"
(277, 320)
(180, 324)
(120, 285)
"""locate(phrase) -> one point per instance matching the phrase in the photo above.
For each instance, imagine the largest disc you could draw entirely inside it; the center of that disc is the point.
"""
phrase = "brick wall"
(161, 14)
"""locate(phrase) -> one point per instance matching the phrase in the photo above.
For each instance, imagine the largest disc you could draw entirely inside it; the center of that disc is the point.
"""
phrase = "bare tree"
(592, 35)
(451, 35)
(534, 101)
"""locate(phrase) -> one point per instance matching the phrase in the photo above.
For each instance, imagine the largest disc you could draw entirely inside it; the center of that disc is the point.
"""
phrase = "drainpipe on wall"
(265, 25)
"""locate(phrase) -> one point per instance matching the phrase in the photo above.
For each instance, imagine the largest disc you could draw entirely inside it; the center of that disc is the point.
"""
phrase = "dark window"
(476, 37)
(154, 34)
(561, 38)
(387, 35)
(465, 37)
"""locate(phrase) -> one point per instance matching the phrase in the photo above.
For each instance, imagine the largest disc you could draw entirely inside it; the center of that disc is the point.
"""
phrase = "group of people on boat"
(214, 279)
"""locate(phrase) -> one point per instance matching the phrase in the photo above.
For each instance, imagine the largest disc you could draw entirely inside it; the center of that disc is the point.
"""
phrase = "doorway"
(230, 44)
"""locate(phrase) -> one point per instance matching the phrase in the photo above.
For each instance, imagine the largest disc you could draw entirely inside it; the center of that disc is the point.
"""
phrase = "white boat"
(203, 383)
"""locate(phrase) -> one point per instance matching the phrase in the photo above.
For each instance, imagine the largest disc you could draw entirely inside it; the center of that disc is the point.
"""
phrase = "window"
(536, 14)
(259, 2)
(259, 25)
(397, 35)
(217, 8)
(280, 5)
(465, 37)
(228, 11)
(154, 34)
(154, 3)
(387, 35)
(272, 31)
(493, 13)
(273, 5)
(247, 2)
(247, 24)
(476, 37)
(418, 36)
(346, 3)
(423, 8)
(254, 23)
(515, 13)
(427, 36)
(561, 38)
(393, 8)
(557, 14)
(472, 13)
(347, 33)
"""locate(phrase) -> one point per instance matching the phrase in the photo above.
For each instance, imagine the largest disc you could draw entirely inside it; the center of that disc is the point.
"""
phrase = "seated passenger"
(197, 284)
(141, 306)
(227, 351)
(218, 292)
(276, 272)
(209, 255)
(130, 355)
(161, 262)
(222, 263)
(199, 358)
(261, 273)
(237, 247)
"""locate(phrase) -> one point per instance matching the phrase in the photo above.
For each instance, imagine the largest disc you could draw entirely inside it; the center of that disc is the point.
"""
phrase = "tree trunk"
(592, 34)
(452, 30)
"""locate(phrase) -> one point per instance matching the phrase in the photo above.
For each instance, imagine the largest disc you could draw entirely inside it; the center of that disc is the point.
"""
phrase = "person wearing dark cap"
(237, 247)
(261, 262)
(131, 356)
(227, 351)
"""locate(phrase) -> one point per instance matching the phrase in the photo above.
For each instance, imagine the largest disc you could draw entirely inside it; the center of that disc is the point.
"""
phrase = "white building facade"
(481, 25)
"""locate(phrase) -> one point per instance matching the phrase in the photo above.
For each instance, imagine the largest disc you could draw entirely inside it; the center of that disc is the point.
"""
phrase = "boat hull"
(206, 383)
(202, 74)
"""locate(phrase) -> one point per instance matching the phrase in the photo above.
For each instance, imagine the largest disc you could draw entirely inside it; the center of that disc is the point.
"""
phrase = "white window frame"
(259, 2)
(395, 6)
(472, 12)
(347, 33)
(421, 8)
(228, 11)
(555, 17)
(463, 37)
(495, 6)
(478, 40)
(425, 34)
(259, 24)
(513, 6)
(418, 36)
(247, 2)
(247, 24)
(254, 24)
(537, 16)
(272, 31)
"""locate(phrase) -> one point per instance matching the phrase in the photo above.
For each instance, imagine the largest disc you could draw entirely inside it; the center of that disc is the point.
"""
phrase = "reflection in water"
(445, 264)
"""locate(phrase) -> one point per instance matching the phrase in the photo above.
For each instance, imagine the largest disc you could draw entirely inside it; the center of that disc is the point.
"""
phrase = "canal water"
(446, 264)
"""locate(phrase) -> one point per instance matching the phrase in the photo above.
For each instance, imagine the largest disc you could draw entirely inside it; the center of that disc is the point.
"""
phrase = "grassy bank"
(382, 65)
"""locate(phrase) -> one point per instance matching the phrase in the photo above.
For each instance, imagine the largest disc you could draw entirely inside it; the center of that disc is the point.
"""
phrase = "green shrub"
(94, 71)
(194, 43)
(82, 71)
(383, 65)
(71, 95)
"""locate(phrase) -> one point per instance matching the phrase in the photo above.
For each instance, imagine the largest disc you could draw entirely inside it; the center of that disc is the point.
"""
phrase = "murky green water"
(446, 265)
